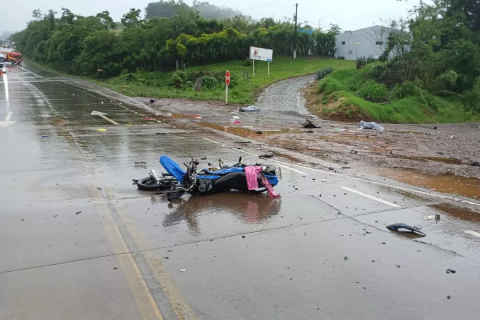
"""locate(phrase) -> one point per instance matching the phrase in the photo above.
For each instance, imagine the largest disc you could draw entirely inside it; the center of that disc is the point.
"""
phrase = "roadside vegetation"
(429, 72)
(180, 84)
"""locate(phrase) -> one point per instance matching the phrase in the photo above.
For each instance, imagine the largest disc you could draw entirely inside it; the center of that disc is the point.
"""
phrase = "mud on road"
(439, 157)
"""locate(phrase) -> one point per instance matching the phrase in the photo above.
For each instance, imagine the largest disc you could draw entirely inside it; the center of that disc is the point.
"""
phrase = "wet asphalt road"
(79, 241)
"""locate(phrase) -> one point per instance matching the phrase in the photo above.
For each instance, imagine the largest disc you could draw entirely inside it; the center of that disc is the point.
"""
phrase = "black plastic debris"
(475, 164)
(203, 158)
(249, 109)
(266, 155)
(308, 124)
(259, 132)
(401, 227)
(451, 271)
(345, 259)
(437, 217)
(435, 128)
(309, 131)
(398, 266)
(152, 101)
(78, 212)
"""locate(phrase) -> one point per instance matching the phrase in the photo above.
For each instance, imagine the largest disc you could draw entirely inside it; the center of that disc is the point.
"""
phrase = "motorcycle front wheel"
(151, 185)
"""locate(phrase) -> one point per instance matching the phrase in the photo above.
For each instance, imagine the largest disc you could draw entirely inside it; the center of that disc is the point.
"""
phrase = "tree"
(105, 18)
(132, 18)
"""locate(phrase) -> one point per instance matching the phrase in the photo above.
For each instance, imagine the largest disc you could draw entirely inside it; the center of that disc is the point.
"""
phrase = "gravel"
(286, 95)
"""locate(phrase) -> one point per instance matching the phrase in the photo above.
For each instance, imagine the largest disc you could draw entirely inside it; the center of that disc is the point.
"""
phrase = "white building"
(367, 42)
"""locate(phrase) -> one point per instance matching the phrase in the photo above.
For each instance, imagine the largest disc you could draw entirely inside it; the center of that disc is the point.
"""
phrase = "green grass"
(346, 104)
(157, 84)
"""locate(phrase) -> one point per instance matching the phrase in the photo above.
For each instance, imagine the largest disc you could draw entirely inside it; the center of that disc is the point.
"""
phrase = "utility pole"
(295, 35)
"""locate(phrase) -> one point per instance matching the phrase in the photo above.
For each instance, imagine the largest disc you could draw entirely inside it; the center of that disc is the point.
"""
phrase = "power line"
(262, 5)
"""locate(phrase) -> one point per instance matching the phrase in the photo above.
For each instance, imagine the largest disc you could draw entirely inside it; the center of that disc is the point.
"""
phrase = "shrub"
(320, 74)
(189, 84)
(376, 71)
(209, 82)
(405, 89)
(374, 92)
(471, 98)
(361, 62)
(247, 62)
(341, 58)
(178, 79)
(329, 85)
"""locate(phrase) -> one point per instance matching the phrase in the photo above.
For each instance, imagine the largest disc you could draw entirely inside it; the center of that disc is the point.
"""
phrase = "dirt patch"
(331, 108)
(464, 214)
(467, 187)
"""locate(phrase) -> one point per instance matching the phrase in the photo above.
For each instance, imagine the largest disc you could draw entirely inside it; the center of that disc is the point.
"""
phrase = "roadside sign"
(227, 82)
(227, 78)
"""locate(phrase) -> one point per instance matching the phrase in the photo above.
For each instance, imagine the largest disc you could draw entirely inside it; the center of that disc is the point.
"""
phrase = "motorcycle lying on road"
(178, 181)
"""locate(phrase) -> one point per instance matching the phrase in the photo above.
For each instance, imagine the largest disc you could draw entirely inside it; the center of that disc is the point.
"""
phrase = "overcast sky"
(348, 14)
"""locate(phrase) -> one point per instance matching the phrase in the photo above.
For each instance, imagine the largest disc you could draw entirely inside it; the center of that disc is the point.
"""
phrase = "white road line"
(372, 197)
(473, 233)
(452, 198)
(211, 140)
(291, 169)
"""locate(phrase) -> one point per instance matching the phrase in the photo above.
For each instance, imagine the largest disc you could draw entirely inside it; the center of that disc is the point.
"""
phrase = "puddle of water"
(464, 214)
(409, 132)
(467, 187)
(425, 159)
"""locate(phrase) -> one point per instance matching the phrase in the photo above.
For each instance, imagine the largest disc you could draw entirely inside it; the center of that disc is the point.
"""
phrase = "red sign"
(227, 78)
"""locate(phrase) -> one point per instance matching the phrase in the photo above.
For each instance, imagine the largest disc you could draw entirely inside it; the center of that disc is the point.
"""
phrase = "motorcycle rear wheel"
(151, 185)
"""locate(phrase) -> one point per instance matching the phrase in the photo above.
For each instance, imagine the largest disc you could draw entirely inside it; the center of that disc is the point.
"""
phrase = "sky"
(348, 14)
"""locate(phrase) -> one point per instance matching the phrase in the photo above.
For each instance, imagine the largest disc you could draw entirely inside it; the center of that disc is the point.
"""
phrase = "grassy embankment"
(339, 98)
(160, 85)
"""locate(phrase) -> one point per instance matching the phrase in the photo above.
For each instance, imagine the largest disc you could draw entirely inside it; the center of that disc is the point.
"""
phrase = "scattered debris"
(353, 152)
(370, 125)
(99, 188)
(448, 297)
(453, 137)
(22, 220)
(267, 155)
(165, 258)
(398, 266)
(345, 259)
(429, 218)
(197, 116)
(102, 130)
(435, 128)
(78, 212)
(308, 131)
(259, 132)
(44, 136)
(183, 270)
(243, 237)
(331, 168)
(397, 226)
(148, 119)
(249, 109)
(140, 162)
(203, 158)
(308, 124)
(451, 271)
(237, 122)
(243, 142)
(324, 180)
(162, 133)
(475, 164)
(437, 217)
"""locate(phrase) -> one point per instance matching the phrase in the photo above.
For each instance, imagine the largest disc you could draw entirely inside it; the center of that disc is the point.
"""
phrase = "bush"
(405, 89)
(376, 71)
(471, 98)
(361, 62)
(209, 82)
(247, 62)
(320, 74)
(370, 60)
(374, 92)
(341, 58)
(329, 85)
(178, 79)
(189, 84)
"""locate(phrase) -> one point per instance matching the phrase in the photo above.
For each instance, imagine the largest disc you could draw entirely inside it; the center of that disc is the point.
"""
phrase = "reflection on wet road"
(78, 241)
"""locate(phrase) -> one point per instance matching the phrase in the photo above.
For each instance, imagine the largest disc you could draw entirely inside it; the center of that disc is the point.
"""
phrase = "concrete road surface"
(79, 241)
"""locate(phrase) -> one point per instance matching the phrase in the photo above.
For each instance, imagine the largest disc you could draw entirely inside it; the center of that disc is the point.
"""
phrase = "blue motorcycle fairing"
(172, 168)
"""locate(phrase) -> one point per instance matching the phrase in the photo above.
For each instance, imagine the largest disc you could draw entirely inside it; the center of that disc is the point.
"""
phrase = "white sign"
(261, 54)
